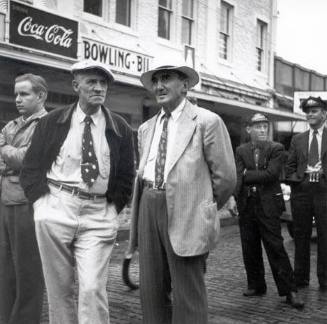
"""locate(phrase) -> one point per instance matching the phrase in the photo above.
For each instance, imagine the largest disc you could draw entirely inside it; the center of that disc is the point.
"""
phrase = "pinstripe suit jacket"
(201, 177)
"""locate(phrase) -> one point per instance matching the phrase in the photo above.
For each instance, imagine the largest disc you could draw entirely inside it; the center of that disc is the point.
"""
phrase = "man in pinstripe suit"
(186, 174)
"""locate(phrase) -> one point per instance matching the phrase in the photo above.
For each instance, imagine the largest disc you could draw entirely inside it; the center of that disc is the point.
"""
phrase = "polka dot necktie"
(313, 157)
(89, 166)
(162, 152)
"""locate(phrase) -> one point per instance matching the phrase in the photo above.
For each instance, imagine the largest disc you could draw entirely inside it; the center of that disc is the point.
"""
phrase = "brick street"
(225, 281)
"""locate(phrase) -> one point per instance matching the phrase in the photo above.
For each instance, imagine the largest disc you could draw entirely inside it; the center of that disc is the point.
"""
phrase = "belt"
(151, 184)
(75, 191)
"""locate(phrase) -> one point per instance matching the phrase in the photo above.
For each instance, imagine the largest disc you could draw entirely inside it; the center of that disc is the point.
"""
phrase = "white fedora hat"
(175, 63)
(92, 65)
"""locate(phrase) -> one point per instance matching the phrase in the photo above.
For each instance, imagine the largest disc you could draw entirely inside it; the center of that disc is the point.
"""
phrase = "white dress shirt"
(149, 169)
(67, 167)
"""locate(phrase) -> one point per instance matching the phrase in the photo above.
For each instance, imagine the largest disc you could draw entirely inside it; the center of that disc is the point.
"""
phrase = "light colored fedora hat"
(175, 63)
(92, 65)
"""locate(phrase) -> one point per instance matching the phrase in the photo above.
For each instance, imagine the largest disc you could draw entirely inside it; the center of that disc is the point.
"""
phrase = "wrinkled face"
(91, 87)
(27, 101)
(169, 88)
(316, 117)
(258, 131)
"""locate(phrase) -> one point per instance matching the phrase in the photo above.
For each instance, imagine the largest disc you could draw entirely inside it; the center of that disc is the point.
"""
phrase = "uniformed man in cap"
(260, 203)
(306, 171)
(78, 173)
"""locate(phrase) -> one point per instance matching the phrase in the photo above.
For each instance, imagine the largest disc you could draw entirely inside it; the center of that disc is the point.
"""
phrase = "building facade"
(230, 43)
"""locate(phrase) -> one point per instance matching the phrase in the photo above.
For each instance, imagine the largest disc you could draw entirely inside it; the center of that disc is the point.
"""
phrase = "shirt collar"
(80, 115)
(36, 115)
(320, 130)
(175, 113)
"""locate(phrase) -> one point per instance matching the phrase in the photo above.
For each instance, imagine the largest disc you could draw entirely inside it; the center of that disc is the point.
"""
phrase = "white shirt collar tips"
(81, 115)
(175, 113)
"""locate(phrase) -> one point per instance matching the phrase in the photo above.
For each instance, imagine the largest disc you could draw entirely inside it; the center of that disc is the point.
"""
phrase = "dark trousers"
(256, 226)
(21, 278)
(163, 273)
(308, 200)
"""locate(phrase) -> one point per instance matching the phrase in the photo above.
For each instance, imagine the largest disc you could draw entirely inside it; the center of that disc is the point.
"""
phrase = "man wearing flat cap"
(78, 173)
(260, 202)
(306, 172)
(186, 174)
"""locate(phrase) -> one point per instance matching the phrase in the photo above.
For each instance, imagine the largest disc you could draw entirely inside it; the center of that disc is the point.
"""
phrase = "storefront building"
(230, 43)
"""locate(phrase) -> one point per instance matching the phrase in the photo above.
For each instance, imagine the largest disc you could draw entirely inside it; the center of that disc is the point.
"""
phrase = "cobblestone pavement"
(225, 282)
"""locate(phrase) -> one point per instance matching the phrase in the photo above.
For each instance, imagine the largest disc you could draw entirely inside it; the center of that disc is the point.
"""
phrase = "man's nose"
(18, 98)
(98, 86)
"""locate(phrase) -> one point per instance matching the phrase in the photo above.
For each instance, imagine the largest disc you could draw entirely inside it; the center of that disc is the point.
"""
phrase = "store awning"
(243, 109)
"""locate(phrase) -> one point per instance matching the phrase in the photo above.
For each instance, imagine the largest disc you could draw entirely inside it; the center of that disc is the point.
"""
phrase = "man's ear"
(75, 85)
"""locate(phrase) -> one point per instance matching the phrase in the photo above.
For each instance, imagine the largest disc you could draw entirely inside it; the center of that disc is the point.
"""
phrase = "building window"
(165, 12)
(123, 12)
(93, 7)
(261, 44)
(225, 30)
(2, 26)
(187, 21)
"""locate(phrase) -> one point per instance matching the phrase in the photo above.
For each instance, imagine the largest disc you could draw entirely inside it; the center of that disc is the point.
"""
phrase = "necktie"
(162, 152)
(313, 151)
(89, 166)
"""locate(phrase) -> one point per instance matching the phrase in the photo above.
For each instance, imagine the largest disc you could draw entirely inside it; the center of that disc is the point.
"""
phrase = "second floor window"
(187, 21)
(93, 7)
(261, 44)
(123, 12)
(225, 30)
(164, 17)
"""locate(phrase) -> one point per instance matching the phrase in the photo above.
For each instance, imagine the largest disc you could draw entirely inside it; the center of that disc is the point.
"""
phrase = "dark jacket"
(265, 179)
(298, 156)
(47, 140)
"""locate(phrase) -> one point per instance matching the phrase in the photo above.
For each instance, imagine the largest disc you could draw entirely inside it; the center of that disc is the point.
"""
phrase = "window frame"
(129, 15)
(190, 21)
(261, 45)
(169, 10)
(101, 16)
(225, 36)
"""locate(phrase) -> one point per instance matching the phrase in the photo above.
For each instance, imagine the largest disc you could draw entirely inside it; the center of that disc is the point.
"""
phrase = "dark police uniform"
(308, 198)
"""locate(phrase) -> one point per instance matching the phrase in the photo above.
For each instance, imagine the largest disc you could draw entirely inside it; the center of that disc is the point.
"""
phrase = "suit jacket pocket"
(279, 202)
(212, 221)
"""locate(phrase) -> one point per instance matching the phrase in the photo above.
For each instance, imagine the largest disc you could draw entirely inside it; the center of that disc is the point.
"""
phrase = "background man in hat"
(186, 174)
(78, 173)
(21, 278)
(260, 203)
(306, 171)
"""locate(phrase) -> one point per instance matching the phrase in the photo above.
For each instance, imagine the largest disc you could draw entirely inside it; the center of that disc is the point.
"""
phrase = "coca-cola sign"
(41, 30)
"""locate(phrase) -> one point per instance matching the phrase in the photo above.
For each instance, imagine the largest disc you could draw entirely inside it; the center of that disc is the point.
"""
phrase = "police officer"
(260, 203)
(306, 171)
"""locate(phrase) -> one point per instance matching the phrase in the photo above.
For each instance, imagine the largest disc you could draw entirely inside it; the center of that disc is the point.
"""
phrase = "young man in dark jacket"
(78, 173)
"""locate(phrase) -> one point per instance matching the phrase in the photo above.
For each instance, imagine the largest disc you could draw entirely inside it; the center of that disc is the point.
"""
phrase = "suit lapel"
(185, 130)
(147, 135)
(324, 142)
(305, 144)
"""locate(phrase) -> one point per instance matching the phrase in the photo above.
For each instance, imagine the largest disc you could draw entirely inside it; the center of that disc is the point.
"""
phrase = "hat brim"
(304, 109)
(192, 75)
(109, 75)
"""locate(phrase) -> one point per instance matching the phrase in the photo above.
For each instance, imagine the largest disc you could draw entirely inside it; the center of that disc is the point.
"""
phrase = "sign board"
(119, 59)
(42, 30)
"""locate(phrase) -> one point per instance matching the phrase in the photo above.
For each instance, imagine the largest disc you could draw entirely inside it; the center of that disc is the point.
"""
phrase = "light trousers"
(72, 231)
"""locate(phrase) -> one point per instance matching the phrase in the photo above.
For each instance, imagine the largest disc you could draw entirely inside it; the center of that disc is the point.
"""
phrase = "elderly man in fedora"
(186, 174)
(78, 173)
(306, 171)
